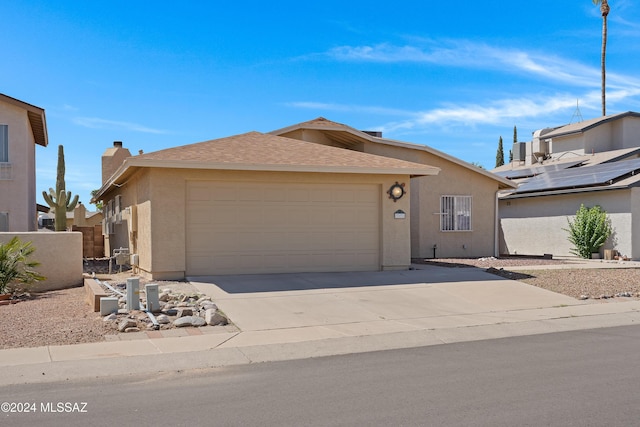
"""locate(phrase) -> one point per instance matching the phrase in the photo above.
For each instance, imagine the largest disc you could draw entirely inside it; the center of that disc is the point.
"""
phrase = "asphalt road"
(583, 378)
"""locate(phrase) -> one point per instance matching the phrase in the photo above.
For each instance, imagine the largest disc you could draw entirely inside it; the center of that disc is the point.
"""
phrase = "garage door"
(245, 228)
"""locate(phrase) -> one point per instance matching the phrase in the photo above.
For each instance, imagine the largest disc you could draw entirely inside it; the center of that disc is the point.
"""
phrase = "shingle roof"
(350, 137)
(258, 149)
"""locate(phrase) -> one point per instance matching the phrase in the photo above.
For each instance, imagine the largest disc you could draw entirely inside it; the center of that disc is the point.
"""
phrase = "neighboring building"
(453, 214)
(593, 162)
(22, 127)
(79, 217)
(259, 203)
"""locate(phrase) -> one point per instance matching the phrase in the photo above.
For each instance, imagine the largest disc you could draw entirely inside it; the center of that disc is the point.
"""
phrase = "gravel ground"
(597, 284)
(51, 318)
(64, 317)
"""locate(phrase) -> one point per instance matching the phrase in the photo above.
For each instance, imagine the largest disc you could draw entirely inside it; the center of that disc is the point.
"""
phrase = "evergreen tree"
(510, 156)
(500, 154)
(515, 134)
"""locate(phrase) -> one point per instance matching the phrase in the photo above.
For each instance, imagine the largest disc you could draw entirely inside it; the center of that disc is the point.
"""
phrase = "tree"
(589, 231)
(15, 266)
(98, 203)
(59, 200)
(604, 10)
(515, 134)
(500, 154)
(510, 156)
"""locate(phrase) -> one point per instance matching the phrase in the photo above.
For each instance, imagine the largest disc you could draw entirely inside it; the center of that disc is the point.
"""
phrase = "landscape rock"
(109, 317)
(209, 306)
(202, 300)
(213, 318)
(126, 323)
(184, 311)
(132, 329)
(189, 321)
(163, 319)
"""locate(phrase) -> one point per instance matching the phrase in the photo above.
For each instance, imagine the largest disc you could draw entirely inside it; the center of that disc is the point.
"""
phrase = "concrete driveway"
(338, 304)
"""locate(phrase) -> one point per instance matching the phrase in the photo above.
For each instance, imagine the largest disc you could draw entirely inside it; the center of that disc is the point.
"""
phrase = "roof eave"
(129, 166)
(36, 116)
(503, 182)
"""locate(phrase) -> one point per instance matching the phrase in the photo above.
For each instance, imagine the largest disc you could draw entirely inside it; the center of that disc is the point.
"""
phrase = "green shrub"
(15, 267)
(589, 231)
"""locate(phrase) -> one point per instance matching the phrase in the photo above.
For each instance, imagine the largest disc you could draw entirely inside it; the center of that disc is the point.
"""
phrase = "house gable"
(456, 179)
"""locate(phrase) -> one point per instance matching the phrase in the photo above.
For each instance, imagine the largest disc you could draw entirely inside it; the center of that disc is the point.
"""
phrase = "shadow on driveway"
(250, 283)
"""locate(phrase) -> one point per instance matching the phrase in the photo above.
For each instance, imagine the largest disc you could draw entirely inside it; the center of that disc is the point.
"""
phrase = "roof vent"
(375, 133)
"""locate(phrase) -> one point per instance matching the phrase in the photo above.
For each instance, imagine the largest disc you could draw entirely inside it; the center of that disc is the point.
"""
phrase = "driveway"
(374, 302)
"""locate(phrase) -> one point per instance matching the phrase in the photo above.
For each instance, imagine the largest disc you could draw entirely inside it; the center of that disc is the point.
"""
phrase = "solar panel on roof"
(536, 170)
(581, 176)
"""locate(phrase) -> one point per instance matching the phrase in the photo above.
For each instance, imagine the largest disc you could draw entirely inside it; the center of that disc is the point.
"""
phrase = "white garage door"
(245, 228)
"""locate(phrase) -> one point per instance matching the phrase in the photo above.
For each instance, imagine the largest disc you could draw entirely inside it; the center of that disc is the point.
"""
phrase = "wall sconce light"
(396, 191)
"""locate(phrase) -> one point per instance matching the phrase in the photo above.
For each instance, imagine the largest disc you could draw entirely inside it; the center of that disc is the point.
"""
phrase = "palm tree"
(604, 10)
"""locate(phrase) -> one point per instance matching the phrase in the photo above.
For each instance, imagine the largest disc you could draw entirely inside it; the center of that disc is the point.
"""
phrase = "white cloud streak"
(97, 123)
(462, 53)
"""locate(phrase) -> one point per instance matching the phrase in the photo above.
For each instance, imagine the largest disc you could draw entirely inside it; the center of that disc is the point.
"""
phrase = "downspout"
(496, 229)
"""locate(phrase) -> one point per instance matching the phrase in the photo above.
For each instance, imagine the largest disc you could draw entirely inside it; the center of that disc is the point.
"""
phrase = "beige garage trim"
(248, 228)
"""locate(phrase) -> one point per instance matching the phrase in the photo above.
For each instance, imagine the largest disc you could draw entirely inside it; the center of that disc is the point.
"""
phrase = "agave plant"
(15, 266)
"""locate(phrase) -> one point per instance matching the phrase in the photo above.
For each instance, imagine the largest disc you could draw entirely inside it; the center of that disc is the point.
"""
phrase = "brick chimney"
(112, 159)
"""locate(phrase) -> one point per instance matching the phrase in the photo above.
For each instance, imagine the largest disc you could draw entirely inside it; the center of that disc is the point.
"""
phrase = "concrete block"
(94, 292)
(108, 305)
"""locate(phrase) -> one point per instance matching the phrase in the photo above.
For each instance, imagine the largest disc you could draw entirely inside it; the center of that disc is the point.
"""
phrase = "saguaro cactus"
(59, 200)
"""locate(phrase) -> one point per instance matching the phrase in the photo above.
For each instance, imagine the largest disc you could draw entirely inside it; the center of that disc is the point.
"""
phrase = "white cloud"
(554, 70)
(464, 53)
(97, 123)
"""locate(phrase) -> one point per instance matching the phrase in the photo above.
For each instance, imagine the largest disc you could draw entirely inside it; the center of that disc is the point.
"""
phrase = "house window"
(455, 213)
(5, 166)
(4, 221)
(4, 143)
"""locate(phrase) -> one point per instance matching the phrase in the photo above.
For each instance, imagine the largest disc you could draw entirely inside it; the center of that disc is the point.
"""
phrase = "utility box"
(108, 305)
(121, 255)
(133, 293)
(153, 297)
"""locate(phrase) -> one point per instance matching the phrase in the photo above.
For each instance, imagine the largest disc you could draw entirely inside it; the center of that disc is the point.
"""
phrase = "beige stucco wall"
(425, 194)
(453, 180)
(160, 197)
(535, 225)
(59, 254)
(18, 195)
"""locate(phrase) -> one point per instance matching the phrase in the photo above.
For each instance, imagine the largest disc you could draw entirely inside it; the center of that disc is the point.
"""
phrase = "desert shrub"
(589, 231)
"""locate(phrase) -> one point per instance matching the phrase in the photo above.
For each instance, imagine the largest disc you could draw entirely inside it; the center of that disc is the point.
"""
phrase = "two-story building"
(22, 127)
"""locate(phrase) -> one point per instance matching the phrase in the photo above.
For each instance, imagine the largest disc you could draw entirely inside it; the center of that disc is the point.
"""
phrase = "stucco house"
(22, 127)
(258, 203)
(453, 214)
(592, 162)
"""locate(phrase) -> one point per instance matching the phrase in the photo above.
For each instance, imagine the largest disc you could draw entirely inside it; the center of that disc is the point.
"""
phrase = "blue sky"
(452, 75)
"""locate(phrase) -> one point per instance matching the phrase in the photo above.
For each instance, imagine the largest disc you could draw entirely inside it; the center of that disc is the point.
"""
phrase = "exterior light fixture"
(396, 191)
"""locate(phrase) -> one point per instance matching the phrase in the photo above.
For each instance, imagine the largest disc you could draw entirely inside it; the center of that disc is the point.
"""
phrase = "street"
(582, 378)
